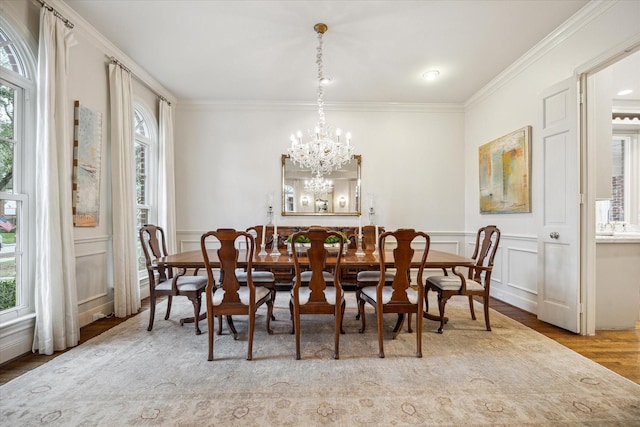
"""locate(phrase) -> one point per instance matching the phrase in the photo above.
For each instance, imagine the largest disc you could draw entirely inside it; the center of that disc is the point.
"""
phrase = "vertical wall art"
(87, 139)
(505, 177)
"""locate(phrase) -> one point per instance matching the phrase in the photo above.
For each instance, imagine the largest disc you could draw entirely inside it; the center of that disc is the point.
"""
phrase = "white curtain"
(166, 177)
(123, 192)
(56, 297)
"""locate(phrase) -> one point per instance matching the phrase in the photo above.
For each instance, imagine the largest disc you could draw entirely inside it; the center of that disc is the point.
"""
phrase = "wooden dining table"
(435, 260)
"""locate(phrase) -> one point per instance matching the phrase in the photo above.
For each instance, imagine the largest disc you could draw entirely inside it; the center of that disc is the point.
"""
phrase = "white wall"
(228, 161)
(511, 102)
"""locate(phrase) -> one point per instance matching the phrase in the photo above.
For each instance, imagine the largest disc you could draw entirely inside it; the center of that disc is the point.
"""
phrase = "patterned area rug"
(467, 376)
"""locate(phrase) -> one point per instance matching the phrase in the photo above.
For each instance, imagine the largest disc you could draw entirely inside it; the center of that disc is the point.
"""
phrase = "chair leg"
(398, 326)
(362, 316)
(473, 312)
(197, 301)
(409, 323)
(152, 312)
(270, 316)
(293, 322)
(358, 292)
(419, 322)
(342, 310)
(219, 325)
(169, 301)
(273, 301)
(232, 328)
(379, 314)
(442, 301)
(211, 318)
(486, 313)
(252, 321)
(296, 327)
(338, 329)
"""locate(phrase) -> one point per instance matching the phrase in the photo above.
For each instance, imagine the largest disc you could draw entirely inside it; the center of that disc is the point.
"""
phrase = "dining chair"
(400, 297)
(260, 277)
(371, 277)
(478, 280)
(317, 296)
(229, 298)
(164, 281)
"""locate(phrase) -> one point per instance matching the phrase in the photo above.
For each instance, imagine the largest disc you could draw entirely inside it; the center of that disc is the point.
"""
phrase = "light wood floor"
(616, 350)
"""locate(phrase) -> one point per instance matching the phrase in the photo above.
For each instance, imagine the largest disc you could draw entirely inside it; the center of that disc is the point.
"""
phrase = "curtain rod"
(68, 23)
(121, 65)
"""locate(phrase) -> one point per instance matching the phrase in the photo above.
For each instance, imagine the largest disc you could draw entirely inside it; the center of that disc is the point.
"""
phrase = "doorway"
(612, 163)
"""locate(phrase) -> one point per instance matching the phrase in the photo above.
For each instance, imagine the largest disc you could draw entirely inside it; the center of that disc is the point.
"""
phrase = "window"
(16, 183)
(622, 212)
(625, 189)
(146, 155)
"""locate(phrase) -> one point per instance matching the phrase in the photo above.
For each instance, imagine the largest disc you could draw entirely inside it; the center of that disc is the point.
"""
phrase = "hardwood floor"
(616, 350)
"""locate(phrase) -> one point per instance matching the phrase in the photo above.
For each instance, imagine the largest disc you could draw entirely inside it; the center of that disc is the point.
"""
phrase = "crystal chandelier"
(318, 186)
(322, 153)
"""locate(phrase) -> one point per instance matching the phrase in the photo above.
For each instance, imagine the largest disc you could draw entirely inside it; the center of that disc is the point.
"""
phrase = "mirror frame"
(357, 212)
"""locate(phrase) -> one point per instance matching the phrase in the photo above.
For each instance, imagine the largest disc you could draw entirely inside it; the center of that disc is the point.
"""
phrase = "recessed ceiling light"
(431, 75)
(625, 92)
(326, 80)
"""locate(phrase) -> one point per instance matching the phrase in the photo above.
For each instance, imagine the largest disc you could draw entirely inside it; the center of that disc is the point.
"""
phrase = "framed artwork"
(505, 173)
(87, 140)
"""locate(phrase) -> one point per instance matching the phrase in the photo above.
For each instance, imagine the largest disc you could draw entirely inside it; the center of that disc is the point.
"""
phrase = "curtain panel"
(166, 177)
(56, 299)
(123, 193)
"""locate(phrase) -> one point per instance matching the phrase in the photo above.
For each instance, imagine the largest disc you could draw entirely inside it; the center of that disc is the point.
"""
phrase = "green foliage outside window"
(7, 294)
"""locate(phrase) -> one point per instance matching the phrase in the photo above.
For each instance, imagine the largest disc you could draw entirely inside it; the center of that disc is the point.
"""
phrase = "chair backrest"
(317, 255)
(484, 253)
(154, 246)
(228, 240)
(402, 257)
(369, 236)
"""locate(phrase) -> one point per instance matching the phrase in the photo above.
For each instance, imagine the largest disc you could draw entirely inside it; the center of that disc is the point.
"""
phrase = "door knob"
(554, 235)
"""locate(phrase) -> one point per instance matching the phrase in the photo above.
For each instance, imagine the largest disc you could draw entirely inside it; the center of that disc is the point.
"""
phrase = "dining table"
(368, 260)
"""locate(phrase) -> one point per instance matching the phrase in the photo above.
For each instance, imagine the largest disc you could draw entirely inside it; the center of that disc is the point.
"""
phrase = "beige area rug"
(467, 376)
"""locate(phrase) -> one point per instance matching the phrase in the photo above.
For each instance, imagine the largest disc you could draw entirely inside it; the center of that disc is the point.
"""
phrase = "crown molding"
(584, 16)
(109, 49)
(311, 106)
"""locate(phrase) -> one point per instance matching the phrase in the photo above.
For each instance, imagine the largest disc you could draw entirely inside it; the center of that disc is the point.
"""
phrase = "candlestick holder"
(263, 251)
(270, 215)
(372, 216)
(359, 251)
(275, 252)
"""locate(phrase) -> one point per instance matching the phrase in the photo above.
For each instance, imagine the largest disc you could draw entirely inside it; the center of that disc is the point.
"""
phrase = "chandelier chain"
(322, 154)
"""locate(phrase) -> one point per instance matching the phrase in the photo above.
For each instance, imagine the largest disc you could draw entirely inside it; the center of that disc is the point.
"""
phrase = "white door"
(559, 232)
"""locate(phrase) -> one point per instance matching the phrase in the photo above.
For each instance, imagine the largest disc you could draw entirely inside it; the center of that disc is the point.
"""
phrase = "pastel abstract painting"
(505, 177)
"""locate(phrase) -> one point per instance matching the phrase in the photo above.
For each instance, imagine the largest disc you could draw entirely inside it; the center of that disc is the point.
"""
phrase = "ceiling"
(375, 51)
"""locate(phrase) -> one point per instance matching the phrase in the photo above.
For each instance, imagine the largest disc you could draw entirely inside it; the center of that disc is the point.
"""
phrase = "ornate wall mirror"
(336, 194)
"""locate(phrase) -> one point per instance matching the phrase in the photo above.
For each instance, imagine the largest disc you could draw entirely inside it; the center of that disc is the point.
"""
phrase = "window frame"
(23, 177)
(151, 164)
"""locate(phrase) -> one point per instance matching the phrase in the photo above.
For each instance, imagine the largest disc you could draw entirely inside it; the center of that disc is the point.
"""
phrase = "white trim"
(210, 105)
(102, 43)
(576, 22)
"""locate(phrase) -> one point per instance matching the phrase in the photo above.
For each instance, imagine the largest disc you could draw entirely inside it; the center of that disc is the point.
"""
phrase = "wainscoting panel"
(514, 278)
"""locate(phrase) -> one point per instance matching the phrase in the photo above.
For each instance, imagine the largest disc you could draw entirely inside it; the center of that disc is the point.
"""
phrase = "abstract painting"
(505, 177)
(87, 138)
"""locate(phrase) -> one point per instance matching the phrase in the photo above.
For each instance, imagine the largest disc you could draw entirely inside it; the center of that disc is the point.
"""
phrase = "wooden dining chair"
(317, 296)
(478, 280)
(371, 277)
(400, 297)
(264, 278)
(164, 281)
(230, 298)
